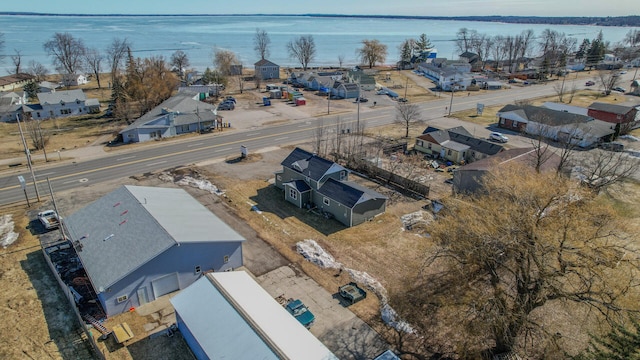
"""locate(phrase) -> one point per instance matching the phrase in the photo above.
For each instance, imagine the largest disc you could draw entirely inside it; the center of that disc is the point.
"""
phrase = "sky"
(347, 7)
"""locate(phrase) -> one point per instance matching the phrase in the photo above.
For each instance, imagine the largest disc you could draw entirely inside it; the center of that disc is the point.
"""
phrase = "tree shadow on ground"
(356, 342)
(171, 347)
(63, 327)
(271, 199)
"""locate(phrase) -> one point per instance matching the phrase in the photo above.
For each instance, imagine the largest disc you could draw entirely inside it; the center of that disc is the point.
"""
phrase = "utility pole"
(328, 100)
(55, 207)
(44, 150)
(28, 153)
(451, 101)
(406, 84)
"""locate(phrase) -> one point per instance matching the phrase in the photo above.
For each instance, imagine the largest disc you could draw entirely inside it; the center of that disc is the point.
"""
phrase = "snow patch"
(629, 137)
(200, 184)
(316, 254)
(7, 235)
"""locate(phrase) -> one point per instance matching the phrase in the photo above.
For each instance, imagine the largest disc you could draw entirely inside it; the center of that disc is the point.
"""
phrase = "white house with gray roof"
(180, 114)
(229, 316)
(139, 243)
(62, 104)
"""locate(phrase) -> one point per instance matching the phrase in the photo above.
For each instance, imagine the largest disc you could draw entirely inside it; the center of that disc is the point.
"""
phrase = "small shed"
(294, 95)
(272, 86)
(275, 94)
(301, 101)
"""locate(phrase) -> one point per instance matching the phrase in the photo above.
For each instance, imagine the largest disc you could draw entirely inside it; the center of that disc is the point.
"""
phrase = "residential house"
(318, 82)
(229, 316)
(202, 92)
(11, 105)
(345, 90)
(456, 145)
(564, 126)
(472, 59)
(566, 108)
(468, 178)
(266, 70)
(139, 243)
(366, 81)
(12, 82)
(452, 77)
(74, 79)
(180, 114)
(47, 87)
(62, 104)
(310, 181)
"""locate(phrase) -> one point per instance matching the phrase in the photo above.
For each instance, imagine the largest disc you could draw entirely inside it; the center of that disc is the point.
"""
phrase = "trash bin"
(266, 101)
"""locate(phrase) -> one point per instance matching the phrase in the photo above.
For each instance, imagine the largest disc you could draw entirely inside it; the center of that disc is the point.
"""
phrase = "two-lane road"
(220, 145)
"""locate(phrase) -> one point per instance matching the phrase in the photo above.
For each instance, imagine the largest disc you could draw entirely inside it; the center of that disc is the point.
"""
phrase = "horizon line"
(325, 15)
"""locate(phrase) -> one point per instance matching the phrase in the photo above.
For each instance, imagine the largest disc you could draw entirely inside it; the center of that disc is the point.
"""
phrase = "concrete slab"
(337, 327)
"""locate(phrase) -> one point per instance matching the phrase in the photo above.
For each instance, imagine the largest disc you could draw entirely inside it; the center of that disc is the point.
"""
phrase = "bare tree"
(93, 58)
(261, 42)
(180, 61)
(67, 52)
(302, 49)
(116, 56)
(609, 79)
(601, 168)
(529, 243)
(16, 59)
(340, 60)
(224, 60)
(37, 70)
(37, 136)
(407, 115)
(372, 52)
(498, 52)
(463, 39)
(319, 136)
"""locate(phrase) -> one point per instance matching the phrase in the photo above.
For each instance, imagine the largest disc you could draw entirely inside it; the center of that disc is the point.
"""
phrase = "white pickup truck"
(49, 219)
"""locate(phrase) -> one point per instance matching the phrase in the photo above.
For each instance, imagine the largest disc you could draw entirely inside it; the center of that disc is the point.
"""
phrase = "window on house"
(122, 298)
(293, 194)
(226, 259)
(326, 201)
(152, 134)
(197, 269)
(343, 175)
(502, 121)
(448, 152)
(131, 136)
(38, 114)
(429, 146)
(514, 124)
(419, 142)
(279, 177)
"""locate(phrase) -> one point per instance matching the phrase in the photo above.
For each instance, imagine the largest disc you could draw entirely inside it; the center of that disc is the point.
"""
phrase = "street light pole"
(28, 153)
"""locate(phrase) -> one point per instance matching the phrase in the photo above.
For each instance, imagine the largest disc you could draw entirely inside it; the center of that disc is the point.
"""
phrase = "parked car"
(49, 219)
(590, 83)
(230, 99)
(613, 146)
(361, 99)
(300, 311)
(620, 89)
(496, 136)
(226, 106)
(403, 100)
(622, 72)
(352, 293)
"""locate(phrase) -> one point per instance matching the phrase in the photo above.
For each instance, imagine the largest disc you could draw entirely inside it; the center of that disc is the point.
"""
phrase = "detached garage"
(229, 316)
(139, 243)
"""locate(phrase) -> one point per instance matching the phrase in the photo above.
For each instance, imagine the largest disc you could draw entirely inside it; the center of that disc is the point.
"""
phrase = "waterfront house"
(62, 104)
(267, 70)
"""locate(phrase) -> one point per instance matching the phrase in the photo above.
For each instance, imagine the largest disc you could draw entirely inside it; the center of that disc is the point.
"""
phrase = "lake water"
(199, 35)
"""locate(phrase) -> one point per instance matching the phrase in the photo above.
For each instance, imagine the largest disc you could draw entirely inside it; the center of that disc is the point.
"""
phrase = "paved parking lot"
(336, 326)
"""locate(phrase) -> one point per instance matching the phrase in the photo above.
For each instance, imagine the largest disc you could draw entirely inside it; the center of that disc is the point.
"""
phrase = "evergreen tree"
(406, 51)
(620, 343)
(596, 51)
(422, 47)
(582, 50)
(31, 88)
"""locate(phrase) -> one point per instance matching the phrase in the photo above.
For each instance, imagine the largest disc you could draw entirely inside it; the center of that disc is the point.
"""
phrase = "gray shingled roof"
(184, 107)
(132, 225)
(264, 62)
(58, 96)
(611, 108)
(462, 137)
(545, 115)
(348, 193)
(308, 164)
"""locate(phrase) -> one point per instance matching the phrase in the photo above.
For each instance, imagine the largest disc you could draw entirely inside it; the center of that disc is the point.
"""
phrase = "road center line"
(45, 174)
(126, 158)
(225, 149)
(252, 134)
(157, 163)
(192, 145)
(281, 138)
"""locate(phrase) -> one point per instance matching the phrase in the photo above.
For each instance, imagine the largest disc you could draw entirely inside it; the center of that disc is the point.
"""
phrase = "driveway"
(336, 326)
